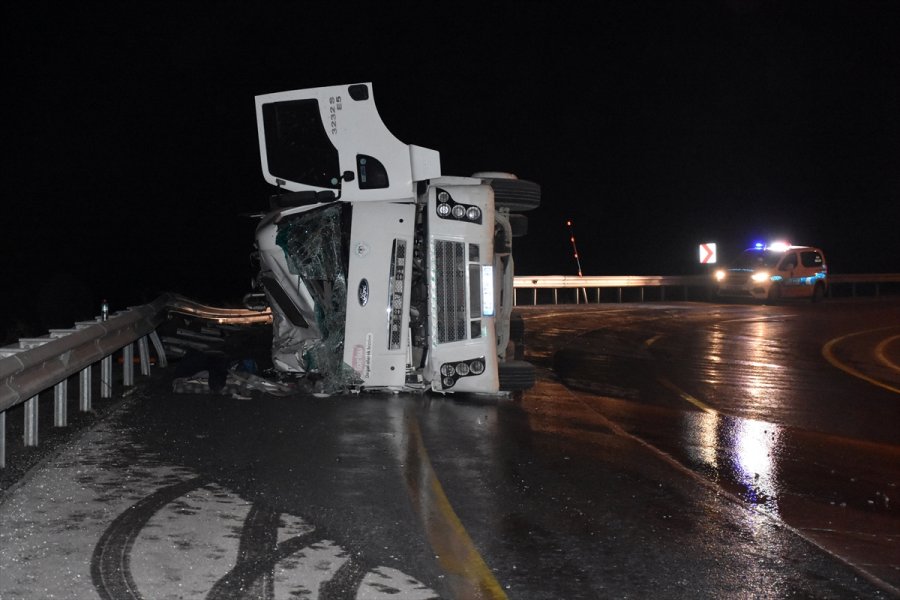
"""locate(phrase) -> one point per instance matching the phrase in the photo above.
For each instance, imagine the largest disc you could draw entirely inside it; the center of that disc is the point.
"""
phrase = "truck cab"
(381, 272)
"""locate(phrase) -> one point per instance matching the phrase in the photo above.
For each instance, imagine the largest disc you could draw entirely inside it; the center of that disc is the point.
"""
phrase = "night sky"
(131, 155)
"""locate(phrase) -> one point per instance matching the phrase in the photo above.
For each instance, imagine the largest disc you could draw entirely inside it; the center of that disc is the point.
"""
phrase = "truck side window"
(297, 146)
(372, 174)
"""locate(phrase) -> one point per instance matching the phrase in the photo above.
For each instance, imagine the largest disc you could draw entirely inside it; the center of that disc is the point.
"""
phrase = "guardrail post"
(534, 296)
(60, 403)
(30, 436)
(128, 365)
(555, 298)
(161, 361)
(2, 439)
(84, 389)
(642, 293)
(144, 351)
(106, 376)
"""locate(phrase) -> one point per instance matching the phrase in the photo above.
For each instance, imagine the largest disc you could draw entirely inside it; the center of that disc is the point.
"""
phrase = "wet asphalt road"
(673, 450)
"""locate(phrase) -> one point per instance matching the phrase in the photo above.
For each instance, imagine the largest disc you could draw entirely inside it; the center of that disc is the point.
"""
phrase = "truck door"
(332, 139)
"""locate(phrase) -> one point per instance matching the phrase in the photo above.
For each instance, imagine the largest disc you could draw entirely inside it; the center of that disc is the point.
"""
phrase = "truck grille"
(395, 299)
(450, 289)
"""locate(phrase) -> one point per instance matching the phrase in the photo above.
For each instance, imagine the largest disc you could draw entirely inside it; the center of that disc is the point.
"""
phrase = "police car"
(775, 271)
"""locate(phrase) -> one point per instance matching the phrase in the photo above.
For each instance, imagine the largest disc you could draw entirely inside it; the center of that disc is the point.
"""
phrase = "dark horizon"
(133, 157)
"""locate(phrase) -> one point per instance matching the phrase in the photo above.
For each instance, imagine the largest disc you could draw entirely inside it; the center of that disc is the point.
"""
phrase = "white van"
(774, 272)
(381, 272)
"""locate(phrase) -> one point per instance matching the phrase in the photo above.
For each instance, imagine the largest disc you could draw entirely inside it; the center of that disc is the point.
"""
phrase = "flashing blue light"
(759, 245)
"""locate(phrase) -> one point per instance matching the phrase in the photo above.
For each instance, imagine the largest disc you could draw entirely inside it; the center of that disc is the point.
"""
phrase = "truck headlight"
(453, 372)
(443, 209)
(760, 276)
(720, 275)
(473, 213)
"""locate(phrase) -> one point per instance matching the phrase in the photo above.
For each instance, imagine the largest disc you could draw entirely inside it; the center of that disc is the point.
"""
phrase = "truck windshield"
(297, 146)
(316, 246)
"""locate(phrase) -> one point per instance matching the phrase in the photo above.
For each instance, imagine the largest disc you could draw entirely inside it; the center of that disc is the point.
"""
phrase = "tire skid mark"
(346, 582)
(111, 560)
(253, 575)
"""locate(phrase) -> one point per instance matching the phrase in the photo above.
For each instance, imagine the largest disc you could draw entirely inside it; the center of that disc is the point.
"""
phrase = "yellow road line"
(467, 573)
(828, 354)
(882, 357)
(685, 396)
(652, 340)
(680, 392)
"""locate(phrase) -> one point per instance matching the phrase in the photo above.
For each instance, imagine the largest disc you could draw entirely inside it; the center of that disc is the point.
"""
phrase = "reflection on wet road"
(747, 397)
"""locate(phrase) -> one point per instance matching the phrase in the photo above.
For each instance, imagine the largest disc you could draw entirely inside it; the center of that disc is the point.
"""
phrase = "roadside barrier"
(35, 365)
(613, 288)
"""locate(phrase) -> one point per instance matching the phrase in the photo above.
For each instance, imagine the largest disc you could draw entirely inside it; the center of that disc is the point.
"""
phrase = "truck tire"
(516, 328)
(519, 224)
(515, 375)
(516, 194)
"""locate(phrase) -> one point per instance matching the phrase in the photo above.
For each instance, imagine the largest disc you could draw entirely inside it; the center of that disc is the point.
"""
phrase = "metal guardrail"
(598, 282)
(231, 316)
(619, 282)
(34, 365)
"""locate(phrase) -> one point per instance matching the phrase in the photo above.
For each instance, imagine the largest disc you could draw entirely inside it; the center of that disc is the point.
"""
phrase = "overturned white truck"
(380, 272)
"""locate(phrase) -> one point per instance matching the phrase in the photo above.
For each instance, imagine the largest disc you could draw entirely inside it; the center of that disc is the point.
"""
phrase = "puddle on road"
(736, 450)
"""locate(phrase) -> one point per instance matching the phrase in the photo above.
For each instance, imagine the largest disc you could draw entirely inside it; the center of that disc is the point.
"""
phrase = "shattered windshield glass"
(313, 245)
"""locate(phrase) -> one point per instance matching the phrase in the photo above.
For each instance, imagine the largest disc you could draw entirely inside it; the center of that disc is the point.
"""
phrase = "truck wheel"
(516, 327)
(519, 224)
(516, 194)
(818, 293)
(515, 375)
